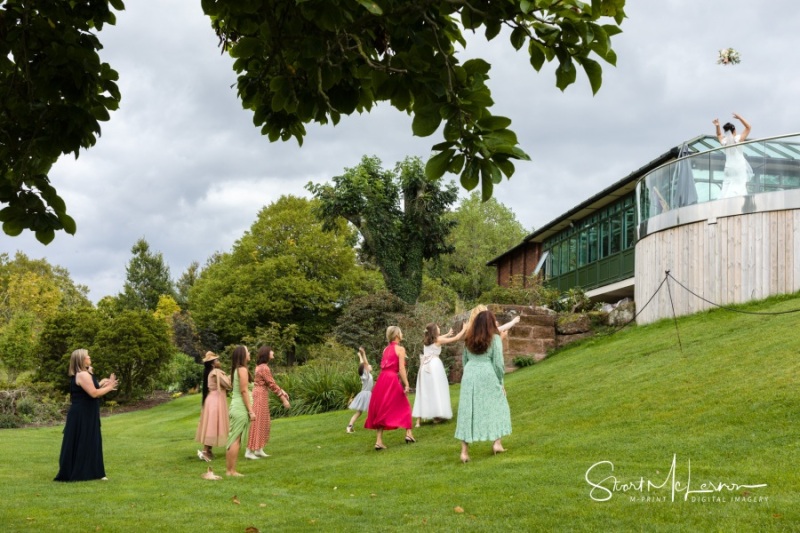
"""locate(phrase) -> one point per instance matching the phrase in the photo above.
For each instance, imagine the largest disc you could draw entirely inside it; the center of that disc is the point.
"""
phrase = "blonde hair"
(393, 332)
(480, 308)
(76, 361)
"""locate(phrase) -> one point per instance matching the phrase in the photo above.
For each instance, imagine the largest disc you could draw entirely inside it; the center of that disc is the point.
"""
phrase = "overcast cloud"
(181, 165)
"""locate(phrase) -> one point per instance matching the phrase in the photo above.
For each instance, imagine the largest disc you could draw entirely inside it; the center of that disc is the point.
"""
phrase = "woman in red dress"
(388, 406)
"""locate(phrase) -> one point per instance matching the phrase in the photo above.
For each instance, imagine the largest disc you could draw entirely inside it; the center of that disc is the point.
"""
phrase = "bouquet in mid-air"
(728, 56)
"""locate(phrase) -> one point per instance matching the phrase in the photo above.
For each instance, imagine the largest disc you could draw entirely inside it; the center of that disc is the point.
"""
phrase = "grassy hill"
(724, 409)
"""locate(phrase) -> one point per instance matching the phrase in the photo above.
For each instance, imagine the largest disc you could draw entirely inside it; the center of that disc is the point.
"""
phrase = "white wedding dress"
(433, 390)
(737, 170)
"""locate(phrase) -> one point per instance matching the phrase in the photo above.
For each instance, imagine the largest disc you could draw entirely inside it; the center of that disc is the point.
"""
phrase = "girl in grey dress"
(360, 403)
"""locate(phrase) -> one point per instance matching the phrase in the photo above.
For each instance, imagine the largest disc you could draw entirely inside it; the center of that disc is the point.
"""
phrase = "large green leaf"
(494, 122)
(471, 175)
(426, 121)
(437, 165)
(565, 73)
(593, 71)
(371, 6)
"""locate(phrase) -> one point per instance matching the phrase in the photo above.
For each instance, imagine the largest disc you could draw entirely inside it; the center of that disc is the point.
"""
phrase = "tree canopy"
(315, 60)
(399, 214)
(483, 230)
(298, 62)
(147, 280)
(54, 92)
(285, 269)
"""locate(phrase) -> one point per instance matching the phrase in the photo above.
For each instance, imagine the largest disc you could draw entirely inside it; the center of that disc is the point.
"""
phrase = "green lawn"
(728, 405)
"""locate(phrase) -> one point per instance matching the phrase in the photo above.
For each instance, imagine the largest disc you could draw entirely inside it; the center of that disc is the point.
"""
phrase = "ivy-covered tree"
(399, 214)
(315, 60)
(54, 92)
(147, 280)
(285, 269)
(483, 230)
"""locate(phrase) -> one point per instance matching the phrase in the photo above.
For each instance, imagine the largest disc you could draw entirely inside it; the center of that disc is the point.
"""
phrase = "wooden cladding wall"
(735, 260)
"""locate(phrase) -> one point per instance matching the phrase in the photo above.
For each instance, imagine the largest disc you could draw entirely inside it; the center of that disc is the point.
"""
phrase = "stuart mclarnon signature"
(603, 488)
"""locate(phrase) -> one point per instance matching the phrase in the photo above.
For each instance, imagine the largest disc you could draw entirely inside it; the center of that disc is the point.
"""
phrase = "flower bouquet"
(728, 56)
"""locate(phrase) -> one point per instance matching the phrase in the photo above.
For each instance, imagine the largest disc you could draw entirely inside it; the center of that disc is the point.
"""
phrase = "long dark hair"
(238, 359)
(263, 355)
(430, 334)
(208, 367)
(481, 334)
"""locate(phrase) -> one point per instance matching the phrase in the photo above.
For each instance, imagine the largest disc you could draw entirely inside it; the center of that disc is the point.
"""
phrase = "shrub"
(522, 291)
(316, 389)
(523, 361)
(364, 321)
(37, 403)
(8, 421)
(180, 374)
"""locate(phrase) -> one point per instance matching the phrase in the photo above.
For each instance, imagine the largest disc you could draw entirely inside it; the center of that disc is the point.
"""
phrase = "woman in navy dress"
(82, 448)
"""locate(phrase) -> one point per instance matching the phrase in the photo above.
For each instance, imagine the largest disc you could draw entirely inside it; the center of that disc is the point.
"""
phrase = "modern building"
(669, 215)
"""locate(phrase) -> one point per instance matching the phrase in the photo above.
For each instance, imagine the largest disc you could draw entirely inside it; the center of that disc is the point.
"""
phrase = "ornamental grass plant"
(714, 394)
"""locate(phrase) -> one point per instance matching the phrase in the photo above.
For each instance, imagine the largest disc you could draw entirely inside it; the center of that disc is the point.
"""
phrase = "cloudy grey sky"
(181, 164)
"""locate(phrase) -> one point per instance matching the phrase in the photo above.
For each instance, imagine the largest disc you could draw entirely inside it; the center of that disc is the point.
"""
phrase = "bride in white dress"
(433, 389)
(737, 170)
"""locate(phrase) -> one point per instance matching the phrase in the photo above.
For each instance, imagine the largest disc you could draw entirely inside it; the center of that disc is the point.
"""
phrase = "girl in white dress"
(433, 389)
(737, 170)
(360, 403)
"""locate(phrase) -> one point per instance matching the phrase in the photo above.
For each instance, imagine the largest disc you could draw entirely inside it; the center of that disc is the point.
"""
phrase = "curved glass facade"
(700, 177)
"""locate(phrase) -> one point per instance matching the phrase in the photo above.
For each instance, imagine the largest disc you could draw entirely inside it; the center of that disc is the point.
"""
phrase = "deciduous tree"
(483, 230)
(54, 92)
(315, 60)
(285, 269)
(134, 345)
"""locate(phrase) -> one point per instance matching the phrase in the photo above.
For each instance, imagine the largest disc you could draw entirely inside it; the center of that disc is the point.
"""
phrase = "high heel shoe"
(464, 458)
(379, 447)
(409, 440)
(496, 450)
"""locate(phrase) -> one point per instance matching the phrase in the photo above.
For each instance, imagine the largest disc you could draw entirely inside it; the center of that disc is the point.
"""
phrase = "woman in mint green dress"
(483, 412)
(241, 410)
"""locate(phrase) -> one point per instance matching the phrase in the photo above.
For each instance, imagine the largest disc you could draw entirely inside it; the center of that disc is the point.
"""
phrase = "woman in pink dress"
(388, 406)
(213, 427)
(263, 383)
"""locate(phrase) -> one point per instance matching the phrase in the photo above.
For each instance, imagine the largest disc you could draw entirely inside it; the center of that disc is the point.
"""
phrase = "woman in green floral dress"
(483, 413)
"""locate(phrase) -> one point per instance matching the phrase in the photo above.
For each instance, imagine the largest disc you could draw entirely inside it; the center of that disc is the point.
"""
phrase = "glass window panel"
(630, 228)
(556, 255)
(593, 243)
(605, 235)
(615, 243)
(573, 253)
(583, 252)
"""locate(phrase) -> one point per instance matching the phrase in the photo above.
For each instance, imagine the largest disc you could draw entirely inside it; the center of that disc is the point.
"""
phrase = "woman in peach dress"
(213, 427)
